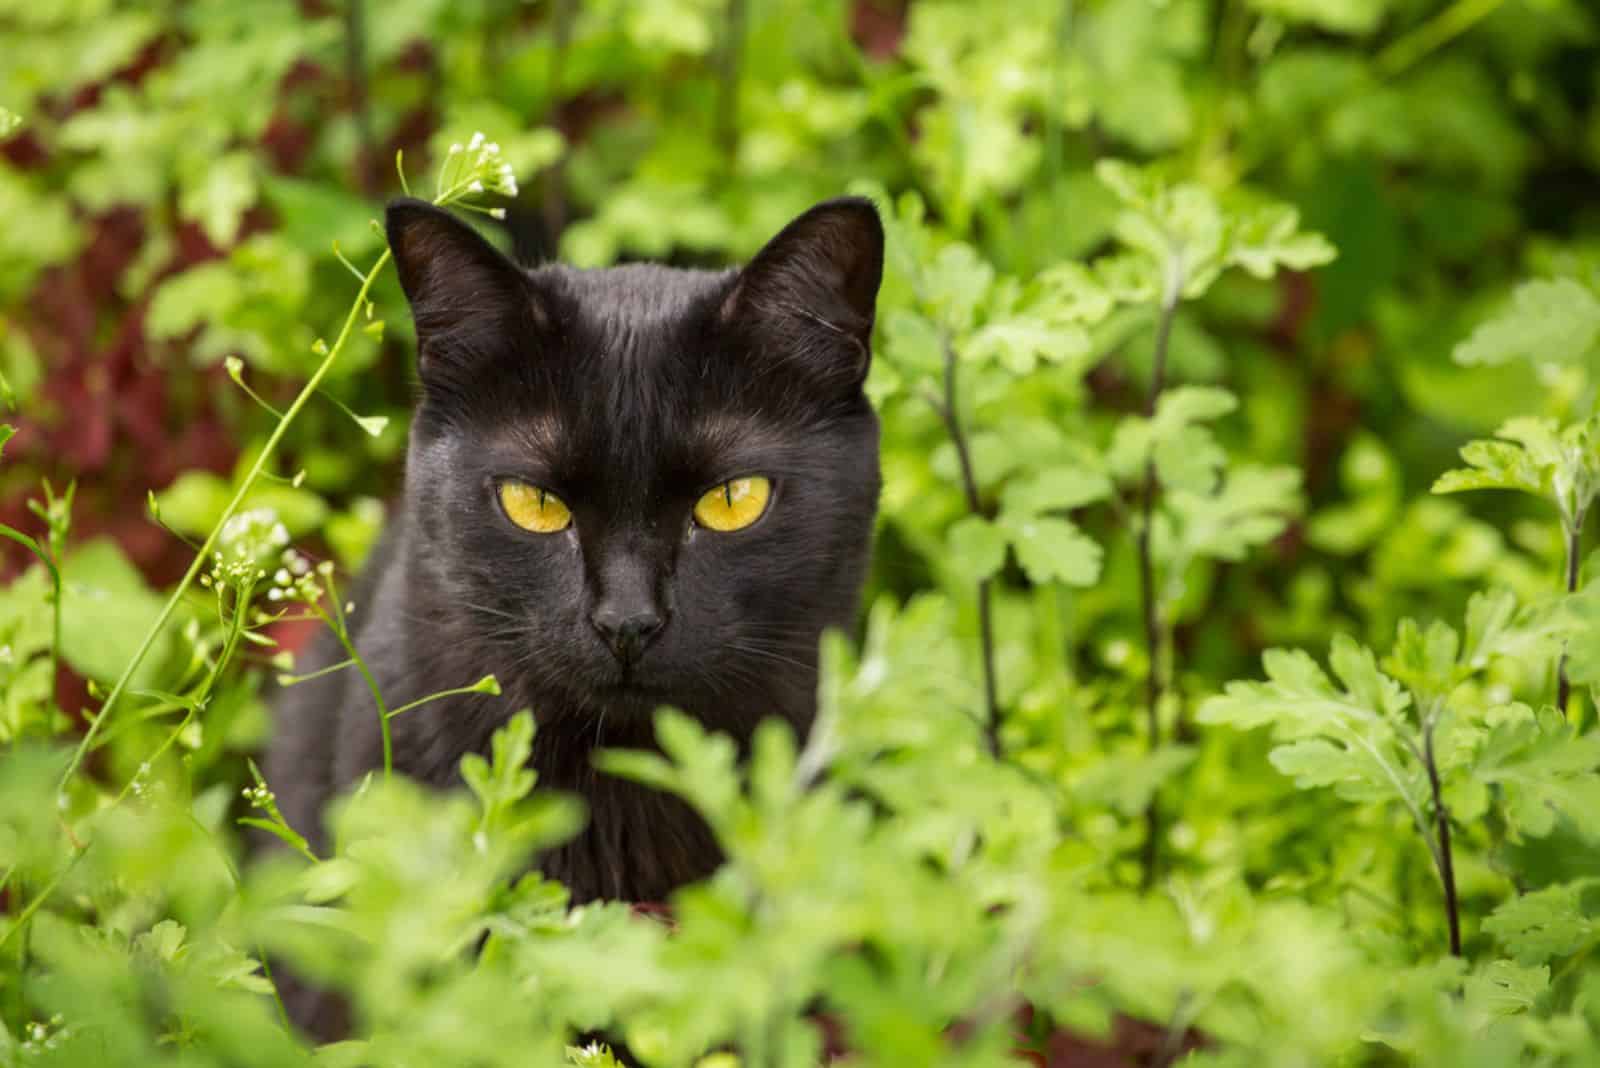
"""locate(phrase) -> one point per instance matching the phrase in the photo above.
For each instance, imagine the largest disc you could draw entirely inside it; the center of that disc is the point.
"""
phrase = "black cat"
(625, 488)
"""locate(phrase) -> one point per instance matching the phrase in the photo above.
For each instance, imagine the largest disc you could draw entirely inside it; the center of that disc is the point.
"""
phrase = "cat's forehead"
(635, 303)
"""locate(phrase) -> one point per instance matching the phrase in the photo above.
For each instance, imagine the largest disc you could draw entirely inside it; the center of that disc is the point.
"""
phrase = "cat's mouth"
(629, 690)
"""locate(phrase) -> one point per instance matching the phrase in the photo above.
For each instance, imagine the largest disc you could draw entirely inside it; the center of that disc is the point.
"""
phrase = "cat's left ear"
(461, 288)
(815, 286)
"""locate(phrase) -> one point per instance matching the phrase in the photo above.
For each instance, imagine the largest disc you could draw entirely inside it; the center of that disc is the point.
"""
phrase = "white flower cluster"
(140, 784)
(42, 1036)
(259, 796)
(476, 167)
(246, 540)
(296, 578)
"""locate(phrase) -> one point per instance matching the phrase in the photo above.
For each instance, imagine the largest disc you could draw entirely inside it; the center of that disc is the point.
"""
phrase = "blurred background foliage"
(174, 184)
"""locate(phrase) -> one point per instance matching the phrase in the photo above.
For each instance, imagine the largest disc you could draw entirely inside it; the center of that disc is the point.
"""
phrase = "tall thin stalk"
(969, 483)
(1443, 856)
(1574, 532)
(265, 456)
(732, 60)
(355, 63)
(1171, 295)
(554, 199)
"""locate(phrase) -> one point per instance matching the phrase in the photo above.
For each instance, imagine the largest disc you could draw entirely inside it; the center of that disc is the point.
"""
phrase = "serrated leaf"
(1504, 989)
(1021, 344)
(1269, 237)
(1057, 488)
(1051, 549)
(1555, 320)
(1345, 737)
(1543, 768)
(977, 548)
(1542, 924)
(1251, 507)
(1533, 456)
(505, 778)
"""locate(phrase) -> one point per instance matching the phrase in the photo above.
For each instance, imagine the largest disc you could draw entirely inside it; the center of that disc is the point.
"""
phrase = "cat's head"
(644, 485)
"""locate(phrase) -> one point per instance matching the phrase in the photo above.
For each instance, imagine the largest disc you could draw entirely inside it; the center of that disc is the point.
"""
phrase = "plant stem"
(336, 623)
(1172, 293)
(1432, 35)
(969, 484)
(245, 486)
(1445, 859)
(728, 101)
(554, 199)
(1574, 551)
(355, 48)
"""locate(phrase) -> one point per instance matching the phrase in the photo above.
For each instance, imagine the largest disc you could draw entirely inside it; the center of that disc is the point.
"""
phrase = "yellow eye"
(733, 505)
(532, 508)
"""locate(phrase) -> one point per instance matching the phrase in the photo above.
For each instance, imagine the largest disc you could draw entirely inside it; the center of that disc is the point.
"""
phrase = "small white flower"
(476, 186)
(455, 149)
(497, 213)
(477, 140)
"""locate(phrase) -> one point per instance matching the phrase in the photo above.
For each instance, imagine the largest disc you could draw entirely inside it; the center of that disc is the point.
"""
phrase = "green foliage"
(1141, 429)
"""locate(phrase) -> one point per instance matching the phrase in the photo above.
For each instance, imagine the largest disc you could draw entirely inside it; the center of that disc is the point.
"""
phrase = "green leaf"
(1251, 507)
(505, 778)
(1540, 925)
(1543, 768)
(196, 500)
(225, 190)
(976, 548)
(1345, 736)
(1186, 455)
(1554, 320)
(1051, 549)
(1054, 489)
(1270, 237)
(106, 610)
(1559, 464)
(1504, 989)
(1126, 783)
(1021, 344)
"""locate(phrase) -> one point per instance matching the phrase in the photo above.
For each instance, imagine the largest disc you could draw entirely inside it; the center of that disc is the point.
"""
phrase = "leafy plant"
(1141, 429)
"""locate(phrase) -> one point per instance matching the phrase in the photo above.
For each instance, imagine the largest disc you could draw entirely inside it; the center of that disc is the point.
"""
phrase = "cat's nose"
(628, 633)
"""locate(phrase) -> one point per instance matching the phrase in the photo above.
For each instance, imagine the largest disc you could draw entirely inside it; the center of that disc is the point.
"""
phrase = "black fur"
(628, 392)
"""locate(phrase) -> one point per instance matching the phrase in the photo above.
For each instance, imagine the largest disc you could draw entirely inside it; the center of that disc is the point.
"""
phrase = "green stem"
(295, 680)
(230, 645)
(969, 484)
(1444, 857)
(1433, 35)
(21, 922)
(1574, 551)
(342, 632)
(419, 702)
(245, 486)
(1171, 296)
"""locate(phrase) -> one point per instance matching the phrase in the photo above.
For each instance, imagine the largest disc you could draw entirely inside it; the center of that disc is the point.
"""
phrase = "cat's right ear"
(461, 288)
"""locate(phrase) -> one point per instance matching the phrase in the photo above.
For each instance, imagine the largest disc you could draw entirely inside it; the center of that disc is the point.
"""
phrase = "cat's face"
(645, 486)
